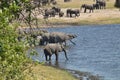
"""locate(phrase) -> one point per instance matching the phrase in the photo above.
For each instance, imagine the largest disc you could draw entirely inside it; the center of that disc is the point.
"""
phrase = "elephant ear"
(62, 46)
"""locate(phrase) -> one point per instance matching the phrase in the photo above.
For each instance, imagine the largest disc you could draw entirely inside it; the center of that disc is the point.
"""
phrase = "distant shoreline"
(98, 17)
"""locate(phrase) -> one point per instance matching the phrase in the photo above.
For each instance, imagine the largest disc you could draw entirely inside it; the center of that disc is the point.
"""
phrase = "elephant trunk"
(65, 54)
(72, 42)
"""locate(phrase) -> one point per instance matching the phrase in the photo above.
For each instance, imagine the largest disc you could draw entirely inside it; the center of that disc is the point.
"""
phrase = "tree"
(13, 58)
(117, 3)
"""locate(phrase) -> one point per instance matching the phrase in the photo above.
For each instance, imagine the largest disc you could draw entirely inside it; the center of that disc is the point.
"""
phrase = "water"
(97, 50)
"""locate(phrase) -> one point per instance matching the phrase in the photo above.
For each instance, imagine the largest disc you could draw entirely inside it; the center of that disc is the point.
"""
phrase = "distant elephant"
(67, 0)
(57, 9)
(70, 12)
(102, 4)
(54, 49)
(49, 13)
(96, 6)
(86, 6)
(61, 14)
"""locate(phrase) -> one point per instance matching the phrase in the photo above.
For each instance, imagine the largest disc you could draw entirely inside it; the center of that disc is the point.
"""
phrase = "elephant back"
(57, 37)
(53, 47)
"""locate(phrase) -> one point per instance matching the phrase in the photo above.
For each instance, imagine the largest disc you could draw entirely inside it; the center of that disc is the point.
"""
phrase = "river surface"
(97, 50)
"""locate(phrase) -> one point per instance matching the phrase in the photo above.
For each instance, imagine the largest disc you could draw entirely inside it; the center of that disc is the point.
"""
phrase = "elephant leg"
(46, 52)
(70, 14)
(46, 57)
(76, 15)
(49, 57)
(85, 10)
(56, 54)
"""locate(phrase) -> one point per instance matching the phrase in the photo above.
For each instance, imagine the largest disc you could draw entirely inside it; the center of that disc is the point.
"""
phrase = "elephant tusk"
(72, 42)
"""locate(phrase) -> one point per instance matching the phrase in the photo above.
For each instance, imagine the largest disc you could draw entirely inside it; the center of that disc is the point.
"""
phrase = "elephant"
(49, 13)
(44, 38)
(102, 4)
(61, 14)
(60, 37)
(56, 37)
(70, 12)
(96, 6)
(57, 9)
(54, 48)
(67, 0)
(86, 6)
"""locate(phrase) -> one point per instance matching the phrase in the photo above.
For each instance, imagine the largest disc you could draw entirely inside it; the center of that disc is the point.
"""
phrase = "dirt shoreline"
(79, 75)
(103, 16)
(98, 17)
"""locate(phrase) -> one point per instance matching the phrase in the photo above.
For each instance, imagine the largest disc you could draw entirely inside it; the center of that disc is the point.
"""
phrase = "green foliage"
(12, 52)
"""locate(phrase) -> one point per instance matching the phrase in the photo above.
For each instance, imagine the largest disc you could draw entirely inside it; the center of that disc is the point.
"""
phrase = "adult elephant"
(96, 6)
(44, 38)
(60, 37)
(54, 49)
(71, 12)
(56, 37)
(61, 14)
(89, 7)
(102, 4)
(49, 13)
(57, 9)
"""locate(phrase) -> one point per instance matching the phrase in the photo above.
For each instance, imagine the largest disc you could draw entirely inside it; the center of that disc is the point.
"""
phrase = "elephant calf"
(54, 49)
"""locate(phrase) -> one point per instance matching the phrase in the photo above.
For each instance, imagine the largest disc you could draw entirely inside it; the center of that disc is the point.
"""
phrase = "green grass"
(41, 72)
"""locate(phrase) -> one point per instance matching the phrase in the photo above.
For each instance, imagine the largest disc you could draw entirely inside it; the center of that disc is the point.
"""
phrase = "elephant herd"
(55, 42)
(100, 4)
(52, 12)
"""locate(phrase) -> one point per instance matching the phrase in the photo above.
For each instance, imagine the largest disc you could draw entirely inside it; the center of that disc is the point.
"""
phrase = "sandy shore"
(103, 16)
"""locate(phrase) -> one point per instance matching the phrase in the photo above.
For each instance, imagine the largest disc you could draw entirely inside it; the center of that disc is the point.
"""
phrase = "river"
(97, 50)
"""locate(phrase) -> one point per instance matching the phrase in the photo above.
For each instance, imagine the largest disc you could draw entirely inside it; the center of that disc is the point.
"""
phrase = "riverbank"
(98, 17)
(45, 72)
